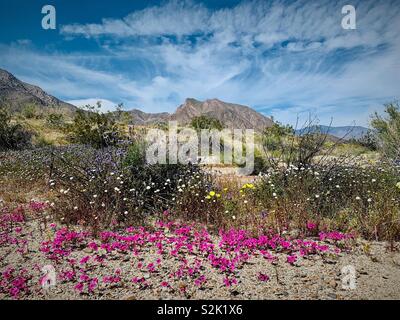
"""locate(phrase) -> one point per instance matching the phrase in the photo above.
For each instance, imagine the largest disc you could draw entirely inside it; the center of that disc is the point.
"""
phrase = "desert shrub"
(369, 141)
(191, 201)
(276, 142)
(113, 186)
(136, 154)
(12, 135)
(284, 146)
(30, 111)
(279, 129)
(206, 123)
(388, 130)
(41, 141)
(260, 163)
(23, 172)
(94, 128)
(55, 120)
(348, 197)
(90, 185)
(122, 116)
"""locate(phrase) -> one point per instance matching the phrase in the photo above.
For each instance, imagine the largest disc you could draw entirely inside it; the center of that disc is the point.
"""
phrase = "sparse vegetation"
(12, 135)
(206, 123)
(55, 120)
(388, 131)
(92, 127)
(307, 186)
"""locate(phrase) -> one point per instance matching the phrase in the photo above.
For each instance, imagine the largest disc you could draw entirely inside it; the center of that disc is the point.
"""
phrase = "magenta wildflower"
(229, 281)
(263, 277)
(311, 226)
(292, 259)
(84, 260)
(79, 287)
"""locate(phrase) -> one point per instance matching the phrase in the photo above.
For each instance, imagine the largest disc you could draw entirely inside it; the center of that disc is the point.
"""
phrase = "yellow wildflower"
(212, 193)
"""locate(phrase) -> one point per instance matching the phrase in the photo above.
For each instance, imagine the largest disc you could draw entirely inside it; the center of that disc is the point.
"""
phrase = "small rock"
(295, 233)
(374, 259)
(332, 296)
(333, 284)
(235, 293)
(330, 261)
(88, 250)
(396, 261)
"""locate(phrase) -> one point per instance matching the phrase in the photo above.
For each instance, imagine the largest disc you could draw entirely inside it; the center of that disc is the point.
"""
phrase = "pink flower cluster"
(189, 250)
(63, 244)
(37, 206)
(14, 282)
(334, 235)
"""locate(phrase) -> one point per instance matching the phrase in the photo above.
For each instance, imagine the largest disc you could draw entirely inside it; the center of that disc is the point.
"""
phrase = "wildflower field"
(110, 226)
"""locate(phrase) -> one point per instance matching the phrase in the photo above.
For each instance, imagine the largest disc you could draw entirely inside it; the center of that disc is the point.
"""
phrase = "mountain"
(231, 115)
(345, 132)
(17, 94)
(234, 116)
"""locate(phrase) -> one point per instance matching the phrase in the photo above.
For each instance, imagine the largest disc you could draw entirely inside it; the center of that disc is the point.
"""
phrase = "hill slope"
(16, 94)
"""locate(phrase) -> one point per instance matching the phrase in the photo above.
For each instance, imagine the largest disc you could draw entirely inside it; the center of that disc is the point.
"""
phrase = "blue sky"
(283, 58)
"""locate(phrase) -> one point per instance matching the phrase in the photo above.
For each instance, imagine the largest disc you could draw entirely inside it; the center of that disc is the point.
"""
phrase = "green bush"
(30, 111)
(274, 136)
(12, 135)
(206, 123)
(55, 120)
(92, 127)
(136, 154)
(388, 130)
(369, 141)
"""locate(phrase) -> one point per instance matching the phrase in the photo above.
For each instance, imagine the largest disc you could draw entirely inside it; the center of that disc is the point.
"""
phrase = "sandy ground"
(377, 275)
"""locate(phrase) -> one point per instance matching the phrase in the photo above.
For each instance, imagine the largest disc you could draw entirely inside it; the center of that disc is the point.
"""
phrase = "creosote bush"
(388, 131)
(206, 123)
(12, 135)
(94, 128)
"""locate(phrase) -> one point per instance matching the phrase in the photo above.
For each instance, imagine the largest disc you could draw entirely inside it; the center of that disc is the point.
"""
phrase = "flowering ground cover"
(171, 259)
(84, 223)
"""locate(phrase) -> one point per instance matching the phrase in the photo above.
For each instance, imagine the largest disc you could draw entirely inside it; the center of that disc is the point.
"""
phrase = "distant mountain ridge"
(143, 118)
(231, 115)
(343, 132)
(17, 94)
